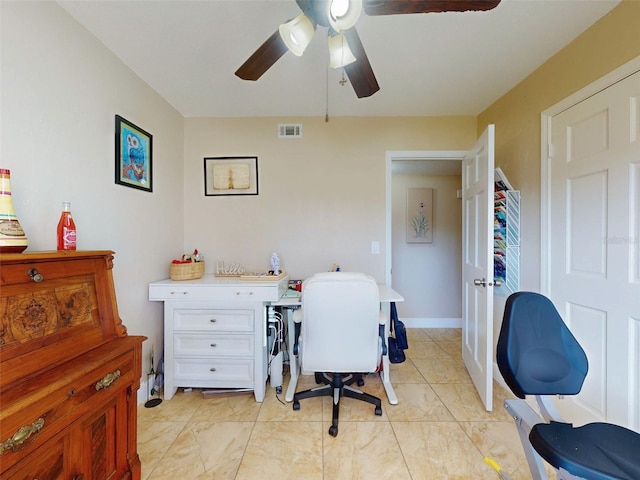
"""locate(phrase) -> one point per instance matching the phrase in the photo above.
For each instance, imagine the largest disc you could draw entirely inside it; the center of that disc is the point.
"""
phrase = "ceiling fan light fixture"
(340, 55)
(297, 34)
(343, 14)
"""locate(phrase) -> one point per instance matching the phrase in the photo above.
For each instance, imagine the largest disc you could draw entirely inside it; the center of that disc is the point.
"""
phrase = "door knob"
(480, 282)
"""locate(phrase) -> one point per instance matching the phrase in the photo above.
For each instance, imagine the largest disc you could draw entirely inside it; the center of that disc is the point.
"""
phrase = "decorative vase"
(12, 237)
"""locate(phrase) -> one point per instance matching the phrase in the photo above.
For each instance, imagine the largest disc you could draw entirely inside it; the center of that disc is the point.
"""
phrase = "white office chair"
(341, 336)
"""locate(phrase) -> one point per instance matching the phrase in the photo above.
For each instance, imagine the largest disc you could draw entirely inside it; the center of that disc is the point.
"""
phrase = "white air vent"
(290, 130)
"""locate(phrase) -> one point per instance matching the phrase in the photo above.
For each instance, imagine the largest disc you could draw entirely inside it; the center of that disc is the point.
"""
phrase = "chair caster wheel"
(378, 411)
(361, 382)
(296, 405)
(333, 431)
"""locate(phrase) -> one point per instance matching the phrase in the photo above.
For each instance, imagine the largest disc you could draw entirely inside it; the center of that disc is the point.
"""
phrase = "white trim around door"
(611, 78)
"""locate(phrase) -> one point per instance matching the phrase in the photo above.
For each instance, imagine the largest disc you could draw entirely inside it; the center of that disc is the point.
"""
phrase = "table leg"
(294, 365)
(385, 374)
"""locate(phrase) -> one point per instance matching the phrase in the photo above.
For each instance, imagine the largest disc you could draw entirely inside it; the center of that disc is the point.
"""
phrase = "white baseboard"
(415, 322)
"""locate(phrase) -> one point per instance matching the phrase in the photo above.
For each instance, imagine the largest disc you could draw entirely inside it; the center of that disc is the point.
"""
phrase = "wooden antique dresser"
(69, 373)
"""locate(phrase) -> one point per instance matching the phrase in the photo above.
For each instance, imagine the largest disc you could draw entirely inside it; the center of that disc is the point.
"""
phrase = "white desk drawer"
(234, 292)
(190, 345)
(213, 320)
(222, 371)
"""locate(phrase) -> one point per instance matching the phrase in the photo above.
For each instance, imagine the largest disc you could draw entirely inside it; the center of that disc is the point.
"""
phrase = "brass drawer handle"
(108, 379)
(35, 275)
(22, 435)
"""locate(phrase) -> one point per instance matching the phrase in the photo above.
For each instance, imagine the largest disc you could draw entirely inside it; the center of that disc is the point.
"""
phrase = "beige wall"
(321, 198)
(611, 42)
(61, 89)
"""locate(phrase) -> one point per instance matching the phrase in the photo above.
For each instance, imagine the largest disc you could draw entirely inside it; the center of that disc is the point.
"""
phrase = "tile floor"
(438, 430)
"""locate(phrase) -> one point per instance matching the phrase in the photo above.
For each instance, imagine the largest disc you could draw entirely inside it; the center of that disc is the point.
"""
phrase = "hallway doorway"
(428, 273)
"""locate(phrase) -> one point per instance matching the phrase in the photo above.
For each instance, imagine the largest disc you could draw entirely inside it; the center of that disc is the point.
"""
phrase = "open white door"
(477, 264)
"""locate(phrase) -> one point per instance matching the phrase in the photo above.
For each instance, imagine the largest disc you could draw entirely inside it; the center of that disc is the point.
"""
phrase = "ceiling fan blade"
(400, 7)
(263, 58)
(360, 72)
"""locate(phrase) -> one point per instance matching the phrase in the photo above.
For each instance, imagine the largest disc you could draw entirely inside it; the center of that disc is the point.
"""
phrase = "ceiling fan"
(345, 48)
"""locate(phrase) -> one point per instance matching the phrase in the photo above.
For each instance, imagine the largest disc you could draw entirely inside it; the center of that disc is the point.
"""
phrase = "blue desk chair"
(538, 355)
(341, 337)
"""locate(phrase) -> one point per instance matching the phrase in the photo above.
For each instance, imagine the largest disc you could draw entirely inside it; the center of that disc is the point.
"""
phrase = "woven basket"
(186, 271)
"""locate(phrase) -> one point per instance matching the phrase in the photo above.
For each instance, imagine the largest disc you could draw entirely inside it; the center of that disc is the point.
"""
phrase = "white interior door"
(477, 264)
(594, 260)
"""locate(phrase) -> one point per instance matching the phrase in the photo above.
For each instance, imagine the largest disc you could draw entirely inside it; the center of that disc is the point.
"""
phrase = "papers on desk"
(263, 276)
(289, 293)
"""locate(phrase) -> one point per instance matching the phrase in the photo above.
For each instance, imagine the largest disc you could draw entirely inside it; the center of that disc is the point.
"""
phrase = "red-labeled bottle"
(66, 229)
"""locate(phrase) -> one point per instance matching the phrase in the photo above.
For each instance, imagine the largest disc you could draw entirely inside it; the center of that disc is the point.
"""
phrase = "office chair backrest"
(340, 323)
(536, 352)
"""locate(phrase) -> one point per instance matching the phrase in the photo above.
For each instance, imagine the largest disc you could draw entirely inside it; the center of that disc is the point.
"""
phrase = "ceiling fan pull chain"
(343, 81)
(326, 115)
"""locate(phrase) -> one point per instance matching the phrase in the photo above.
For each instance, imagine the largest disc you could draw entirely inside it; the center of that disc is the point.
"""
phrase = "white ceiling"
(426, 64)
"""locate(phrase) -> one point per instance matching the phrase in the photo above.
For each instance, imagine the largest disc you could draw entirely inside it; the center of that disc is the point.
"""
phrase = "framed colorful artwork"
(134, 149)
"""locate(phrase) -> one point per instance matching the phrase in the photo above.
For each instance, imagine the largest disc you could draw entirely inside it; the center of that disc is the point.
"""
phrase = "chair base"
(337, 385)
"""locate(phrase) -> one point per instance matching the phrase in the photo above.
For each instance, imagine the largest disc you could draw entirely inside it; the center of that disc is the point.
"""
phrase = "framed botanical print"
(420, 215)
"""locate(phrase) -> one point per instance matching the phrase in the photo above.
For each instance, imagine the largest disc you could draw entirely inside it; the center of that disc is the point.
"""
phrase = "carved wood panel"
(36, 314)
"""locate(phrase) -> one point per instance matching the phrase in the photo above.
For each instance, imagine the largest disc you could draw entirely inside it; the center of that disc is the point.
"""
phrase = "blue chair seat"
(538, 355)
(598, 451)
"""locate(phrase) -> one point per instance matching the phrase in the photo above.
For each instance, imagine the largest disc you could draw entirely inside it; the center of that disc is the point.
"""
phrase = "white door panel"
(594, 261)
(477, 260)
(589, 322)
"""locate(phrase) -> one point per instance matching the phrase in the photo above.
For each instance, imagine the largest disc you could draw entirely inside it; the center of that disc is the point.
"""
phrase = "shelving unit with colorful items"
(506, 236)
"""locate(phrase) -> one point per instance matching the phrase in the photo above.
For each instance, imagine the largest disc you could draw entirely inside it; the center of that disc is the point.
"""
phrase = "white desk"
(387, 296)
(215, 332)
